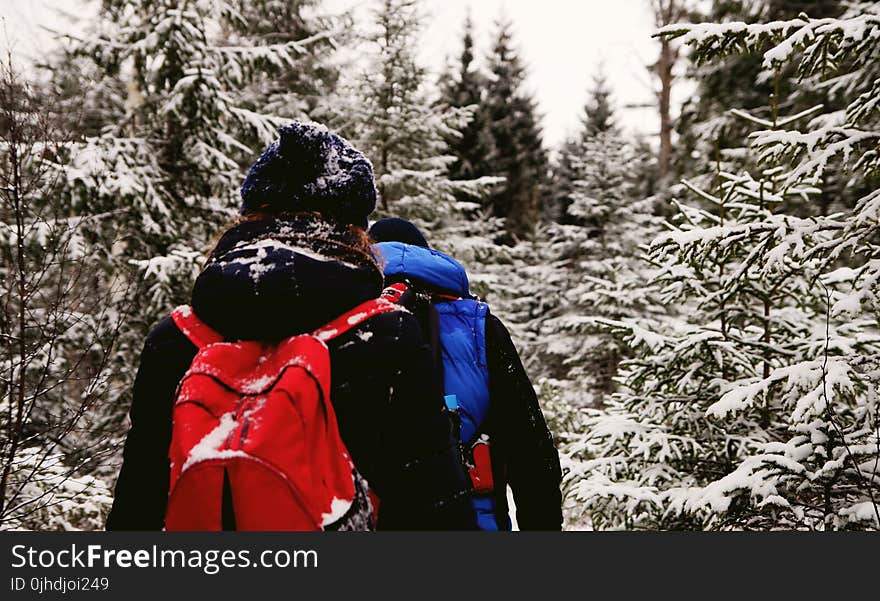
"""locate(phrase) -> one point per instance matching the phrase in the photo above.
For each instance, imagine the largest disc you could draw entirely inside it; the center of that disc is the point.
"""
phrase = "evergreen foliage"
(518, 153)
(394, 120)
(465, 89)
(758, 408)
(717, 370)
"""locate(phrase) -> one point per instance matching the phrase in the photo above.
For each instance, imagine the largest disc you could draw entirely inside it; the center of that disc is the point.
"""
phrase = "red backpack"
(253, 423)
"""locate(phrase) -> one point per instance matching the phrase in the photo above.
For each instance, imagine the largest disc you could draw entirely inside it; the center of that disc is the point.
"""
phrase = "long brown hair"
(354, 238)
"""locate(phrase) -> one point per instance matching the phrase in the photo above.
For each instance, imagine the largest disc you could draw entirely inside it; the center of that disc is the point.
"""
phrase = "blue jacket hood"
(427, 266)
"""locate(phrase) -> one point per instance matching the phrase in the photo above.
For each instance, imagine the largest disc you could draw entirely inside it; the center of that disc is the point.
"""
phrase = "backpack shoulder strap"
(355, 317)
(194, 328)
(422, 305)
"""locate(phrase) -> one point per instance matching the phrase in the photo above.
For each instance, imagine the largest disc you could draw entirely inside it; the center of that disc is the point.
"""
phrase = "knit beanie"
(394, 229)
(309, 168)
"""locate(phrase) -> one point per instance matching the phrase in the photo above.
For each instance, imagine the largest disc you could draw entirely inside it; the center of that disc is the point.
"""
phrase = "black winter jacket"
(275, 278)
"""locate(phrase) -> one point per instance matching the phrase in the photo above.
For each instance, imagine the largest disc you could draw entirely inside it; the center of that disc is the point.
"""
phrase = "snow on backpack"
(255, 443)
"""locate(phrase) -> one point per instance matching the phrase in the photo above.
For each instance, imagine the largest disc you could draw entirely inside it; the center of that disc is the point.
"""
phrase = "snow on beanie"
(309, 168)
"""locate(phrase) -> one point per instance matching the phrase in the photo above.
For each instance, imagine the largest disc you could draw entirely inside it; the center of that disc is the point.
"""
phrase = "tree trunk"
(666, 12)
(664, 73)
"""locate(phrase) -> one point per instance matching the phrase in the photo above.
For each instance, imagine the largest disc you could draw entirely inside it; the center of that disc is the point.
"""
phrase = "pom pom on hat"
(309, 168)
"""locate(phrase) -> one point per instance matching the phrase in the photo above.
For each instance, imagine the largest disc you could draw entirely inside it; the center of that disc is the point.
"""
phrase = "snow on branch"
(712, 40)
(815, 149)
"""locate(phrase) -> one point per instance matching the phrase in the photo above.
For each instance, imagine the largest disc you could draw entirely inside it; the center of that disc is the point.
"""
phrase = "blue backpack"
(461, 333)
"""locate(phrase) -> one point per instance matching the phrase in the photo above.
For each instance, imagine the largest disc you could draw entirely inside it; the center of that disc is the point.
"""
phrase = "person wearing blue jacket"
(505, 439)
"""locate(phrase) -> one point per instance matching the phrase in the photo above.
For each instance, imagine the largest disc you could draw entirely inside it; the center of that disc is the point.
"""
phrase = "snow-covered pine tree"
(464, 88)
(709, 132)
(397, 123)
(87, 100)
(600, 246)
(597, 117)
(597, 245)
(395, 120)
(294, 91)
(173, 161)
(760, 410)
(653, 449)
(165, 170)
(499, 273)
(518, 155)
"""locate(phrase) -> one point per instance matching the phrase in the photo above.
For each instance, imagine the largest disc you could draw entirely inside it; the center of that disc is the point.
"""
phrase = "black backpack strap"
(420, 303)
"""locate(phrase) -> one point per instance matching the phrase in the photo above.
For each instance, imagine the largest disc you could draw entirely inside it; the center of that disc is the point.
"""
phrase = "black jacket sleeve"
(528, 452)
(142, 486)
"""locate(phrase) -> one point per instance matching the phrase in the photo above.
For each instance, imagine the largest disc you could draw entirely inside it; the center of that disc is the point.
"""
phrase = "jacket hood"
(273, 278)
(427, 266)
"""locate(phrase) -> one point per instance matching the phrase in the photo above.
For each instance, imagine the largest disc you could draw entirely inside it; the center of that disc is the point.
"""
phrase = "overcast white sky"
(562, 42)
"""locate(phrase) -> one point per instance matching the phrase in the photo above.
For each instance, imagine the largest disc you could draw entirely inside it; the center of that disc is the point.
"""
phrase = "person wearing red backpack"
(503, 433)
(286, 396)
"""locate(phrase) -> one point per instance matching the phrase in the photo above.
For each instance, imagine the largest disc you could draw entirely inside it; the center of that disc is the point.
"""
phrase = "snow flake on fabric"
(209, 446)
